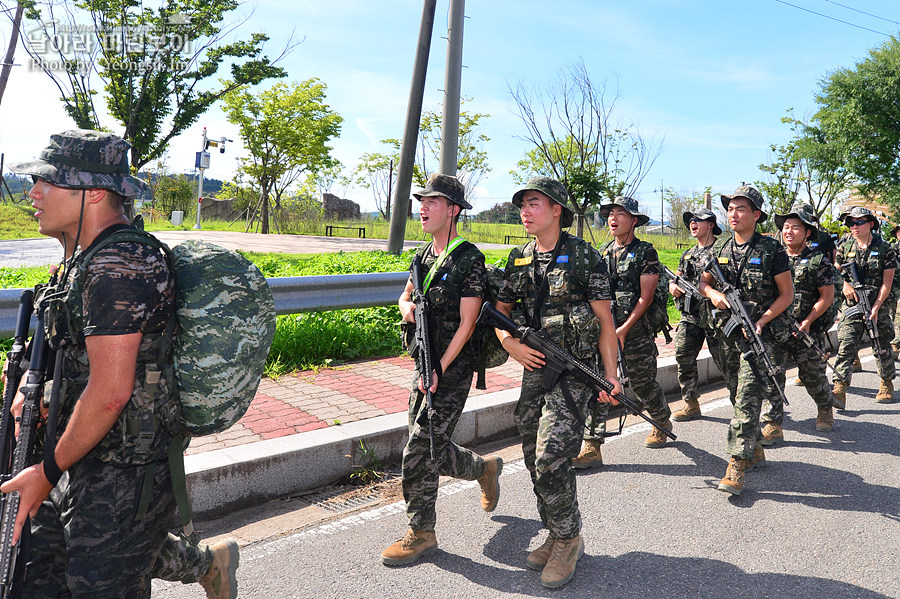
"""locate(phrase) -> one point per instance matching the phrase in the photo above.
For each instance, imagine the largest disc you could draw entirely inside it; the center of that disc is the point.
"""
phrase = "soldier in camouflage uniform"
(562, 286)
(876, 263)
(634, 272)
(695, 325)
(813, 280)
(758, 267)
(454, 288)
(895, 293)
(104, 501)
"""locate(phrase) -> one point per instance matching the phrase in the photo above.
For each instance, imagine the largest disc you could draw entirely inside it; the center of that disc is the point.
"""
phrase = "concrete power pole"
(411, 131)
(452, 89)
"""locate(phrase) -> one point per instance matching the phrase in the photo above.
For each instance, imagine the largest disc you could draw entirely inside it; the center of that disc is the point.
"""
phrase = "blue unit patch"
(755, 260)
(630, 256)
(562, 259)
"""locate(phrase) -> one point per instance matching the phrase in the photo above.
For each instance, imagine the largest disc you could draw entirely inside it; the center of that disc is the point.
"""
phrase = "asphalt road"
(821, 520)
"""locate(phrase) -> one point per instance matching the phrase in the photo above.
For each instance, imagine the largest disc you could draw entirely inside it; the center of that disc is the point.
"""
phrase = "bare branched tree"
(577, 139)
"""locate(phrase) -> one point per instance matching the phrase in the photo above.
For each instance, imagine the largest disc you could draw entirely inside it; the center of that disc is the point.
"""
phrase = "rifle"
(558, 361)
(809, 342)
(22, 451)
(863, 307)
(424, 357)
(751, 342)
(691, 293)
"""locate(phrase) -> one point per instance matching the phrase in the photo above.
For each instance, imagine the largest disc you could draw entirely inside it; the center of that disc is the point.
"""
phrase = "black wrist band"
(51, 470)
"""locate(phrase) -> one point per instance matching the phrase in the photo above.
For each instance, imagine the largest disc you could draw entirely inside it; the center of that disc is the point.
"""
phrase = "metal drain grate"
(337, 501)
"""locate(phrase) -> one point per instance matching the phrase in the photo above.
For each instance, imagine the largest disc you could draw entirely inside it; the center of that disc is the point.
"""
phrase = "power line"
(834, 18)
(862, 12)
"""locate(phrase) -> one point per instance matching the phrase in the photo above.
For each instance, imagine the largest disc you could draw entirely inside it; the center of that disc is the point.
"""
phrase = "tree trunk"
(11, 50)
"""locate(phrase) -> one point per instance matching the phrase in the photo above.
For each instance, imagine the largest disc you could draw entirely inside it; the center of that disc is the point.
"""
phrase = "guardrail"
(292, 294)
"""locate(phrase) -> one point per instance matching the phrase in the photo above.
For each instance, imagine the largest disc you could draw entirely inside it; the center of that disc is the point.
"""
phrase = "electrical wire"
(833, 18)
(862, 12)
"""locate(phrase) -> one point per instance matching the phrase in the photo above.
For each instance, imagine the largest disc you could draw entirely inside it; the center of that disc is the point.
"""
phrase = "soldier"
(813, 282)
(875, 262)
(758, 266)
(563, 287)
(695, 325)
(895, 293)
(634, 272)
(454, 287)
(88, 533)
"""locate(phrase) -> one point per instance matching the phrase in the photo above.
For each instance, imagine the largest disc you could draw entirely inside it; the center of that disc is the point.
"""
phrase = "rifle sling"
(542, 282)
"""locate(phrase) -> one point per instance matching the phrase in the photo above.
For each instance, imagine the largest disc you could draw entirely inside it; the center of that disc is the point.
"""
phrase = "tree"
(680, 202)
(286, 130)
(155, 65)
(570, 124)
(378, 172)
(859, 112)
(505, 213)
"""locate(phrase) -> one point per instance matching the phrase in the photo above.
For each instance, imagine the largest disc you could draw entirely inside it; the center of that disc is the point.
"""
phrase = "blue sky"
(712, 77)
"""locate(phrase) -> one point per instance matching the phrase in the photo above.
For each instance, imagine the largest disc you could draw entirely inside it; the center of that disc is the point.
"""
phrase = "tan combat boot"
(690, 411)
(772, 433)
(759, 457)
(589, 457)
(413, 545)
(885, 392)
(538, 558)
(220, 581)
(734, 477)
(560, 567)
(839, 395)
(825, 419)
(656, 439)
(490, 483)
(857, 365)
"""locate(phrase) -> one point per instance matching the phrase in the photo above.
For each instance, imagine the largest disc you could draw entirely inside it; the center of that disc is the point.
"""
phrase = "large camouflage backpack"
(484, 340)
(225, 322)
(658, 312)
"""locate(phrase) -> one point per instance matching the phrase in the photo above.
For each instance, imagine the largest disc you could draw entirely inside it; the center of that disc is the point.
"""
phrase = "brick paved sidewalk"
(308, 400)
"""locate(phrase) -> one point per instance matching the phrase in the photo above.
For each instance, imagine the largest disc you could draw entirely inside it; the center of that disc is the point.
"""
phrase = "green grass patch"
(17, 221)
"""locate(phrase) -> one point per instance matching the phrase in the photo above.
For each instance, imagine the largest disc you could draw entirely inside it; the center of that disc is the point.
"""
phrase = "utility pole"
(411, 131)
(452, 89)
(201, 162)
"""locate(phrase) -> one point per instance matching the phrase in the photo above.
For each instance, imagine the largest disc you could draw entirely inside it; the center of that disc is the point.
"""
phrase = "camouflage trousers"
(551, 428)
(850, 333)
(640, 353)
(419, 472)
(182, 560)
(812, 372)
(896, 312)
(749, 393)
(85, 539)
(689, 338)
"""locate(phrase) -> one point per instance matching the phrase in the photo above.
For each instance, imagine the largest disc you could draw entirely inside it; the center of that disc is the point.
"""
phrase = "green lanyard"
(434, 267)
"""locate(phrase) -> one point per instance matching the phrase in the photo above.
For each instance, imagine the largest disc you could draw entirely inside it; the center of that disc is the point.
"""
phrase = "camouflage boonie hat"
(751, 193)
(805, 214)
(702, 214)
(630, 205)
(554, 190)
(859, 212)
(445, 186)
(85, 159)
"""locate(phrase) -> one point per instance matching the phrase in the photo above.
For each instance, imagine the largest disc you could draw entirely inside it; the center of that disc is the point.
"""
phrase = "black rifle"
(863, 307)
(425, 355)
(691, 293)
(754, 351)
(558, 361)
(19, 452)
(809, 342)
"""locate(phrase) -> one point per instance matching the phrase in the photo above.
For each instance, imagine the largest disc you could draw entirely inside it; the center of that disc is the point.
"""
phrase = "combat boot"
(413, 545)
(560, 567)
(885, 392)
(538, 558)
(825, 419)
(690, 411)
(490, 483)
(734, 477)
(657, 439)
(220, 582)
(857, 365)
(589, 457)
(759, 457)
(839, 395)
(772, 433)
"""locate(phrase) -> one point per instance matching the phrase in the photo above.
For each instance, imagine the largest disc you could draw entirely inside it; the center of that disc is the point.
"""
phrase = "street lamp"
(201, 162)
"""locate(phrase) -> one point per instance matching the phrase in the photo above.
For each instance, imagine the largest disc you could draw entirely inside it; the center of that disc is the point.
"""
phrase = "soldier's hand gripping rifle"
(863, 307)
(691, 293)
(809, 342)
(558, 361)
(754, 349)
(19, 452)
(425, 357)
